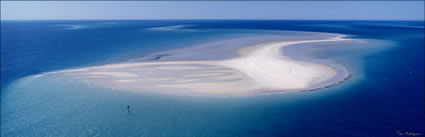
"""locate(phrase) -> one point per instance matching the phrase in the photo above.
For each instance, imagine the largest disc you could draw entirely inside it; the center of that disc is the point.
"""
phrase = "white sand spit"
(260, 68)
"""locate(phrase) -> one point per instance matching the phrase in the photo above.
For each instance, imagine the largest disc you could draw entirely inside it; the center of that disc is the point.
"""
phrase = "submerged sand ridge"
(260, 68)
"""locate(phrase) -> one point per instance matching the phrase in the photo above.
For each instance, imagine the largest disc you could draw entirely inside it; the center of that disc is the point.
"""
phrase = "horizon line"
(216, 19)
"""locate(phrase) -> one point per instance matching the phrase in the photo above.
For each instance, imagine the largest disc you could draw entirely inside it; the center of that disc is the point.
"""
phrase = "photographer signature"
(406, 133)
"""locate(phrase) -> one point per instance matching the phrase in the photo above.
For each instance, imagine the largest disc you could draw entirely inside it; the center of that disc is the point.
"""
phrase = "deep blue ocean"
(383, 97)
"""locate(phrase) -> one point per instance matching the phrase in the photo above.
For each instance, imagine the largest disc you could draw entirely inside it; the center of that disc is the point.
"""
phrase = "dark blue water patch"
(389, 93)
(365, 28)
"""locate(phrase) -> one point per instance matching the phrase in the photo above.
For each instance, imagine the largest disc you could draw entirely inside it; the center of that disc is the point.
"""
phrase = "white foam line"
(168, 28)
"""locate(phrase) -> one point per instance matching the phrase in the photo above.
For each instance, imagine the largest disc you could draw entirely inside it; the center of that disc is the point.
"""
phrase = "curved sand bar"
(259, 69)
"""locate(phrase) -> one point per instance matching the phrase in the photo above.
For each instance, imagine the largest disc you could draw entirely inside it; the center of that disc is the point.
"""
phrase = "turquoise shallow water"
(69, 107)
(384, 95)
